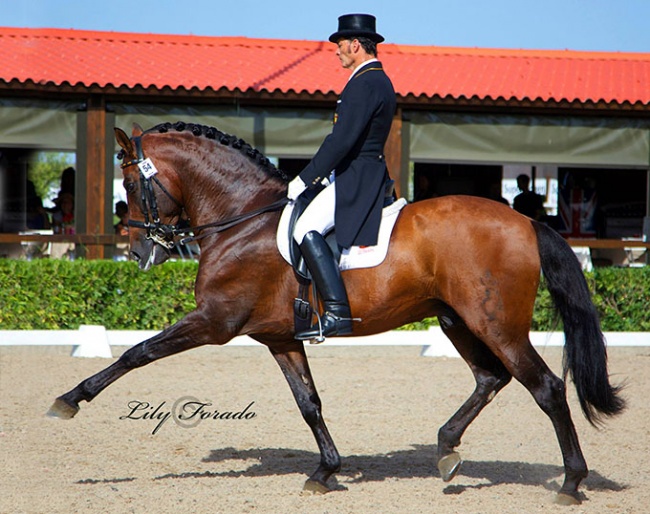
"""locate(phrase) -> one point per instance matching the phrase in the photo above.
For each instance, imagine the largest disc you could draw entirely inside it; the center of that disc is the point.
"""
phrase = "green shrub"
(58, 294)
(622, 297)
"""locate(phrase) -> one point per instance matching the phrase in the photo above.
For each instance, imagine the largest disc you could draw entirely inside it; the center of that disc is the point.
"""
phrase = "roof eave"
(139, 93)
(526, 104)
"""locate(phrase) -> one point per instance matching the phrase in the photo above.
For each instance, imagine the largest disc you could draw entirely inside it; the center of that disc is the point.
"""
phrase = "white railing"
(96, 341)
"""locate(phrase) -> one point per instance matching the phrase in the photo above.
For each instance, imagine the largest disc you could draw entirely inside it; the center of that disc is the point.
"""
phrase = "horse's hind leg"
(177, 338)
(490, 375)
(294, 365)
(549, 392)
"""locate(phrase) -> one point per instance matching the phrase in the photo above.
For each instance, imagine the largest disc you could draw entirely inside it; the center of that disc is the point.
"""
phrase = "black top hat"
(355, 25)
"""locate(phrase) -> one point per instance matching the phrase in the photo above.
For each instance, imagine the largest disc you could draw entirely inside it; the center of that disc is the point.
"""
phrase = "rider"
(354, 150)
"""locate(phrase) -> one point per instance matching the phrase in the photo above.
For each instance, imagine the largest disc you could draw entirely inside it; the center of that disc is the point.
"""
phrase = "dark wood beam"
(96, 172)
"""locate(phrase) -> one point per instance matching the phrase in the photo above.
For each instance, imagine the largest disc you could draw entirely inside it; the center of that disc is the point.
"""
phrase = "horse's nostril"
(136, 257)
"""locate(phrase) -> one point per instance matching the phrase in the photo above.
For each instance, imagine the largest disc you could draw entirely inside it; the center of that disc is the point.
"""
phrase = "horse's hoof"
(449, 466)
(567, 499)
(62, 410)
(312, 487)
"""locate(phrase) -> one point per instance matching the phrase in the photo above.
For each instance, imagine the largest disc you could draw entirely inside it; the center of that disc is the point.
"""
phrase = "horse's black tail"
(585, 353)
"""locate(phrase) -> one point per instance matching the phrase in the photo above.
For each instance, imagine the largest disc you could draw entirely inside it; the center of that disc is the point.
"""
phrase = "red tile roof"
(85, 58)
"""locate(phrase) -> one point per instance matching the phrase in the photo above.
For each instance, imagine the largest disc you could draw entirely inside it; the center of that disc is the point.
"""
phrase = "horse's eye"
(130, 187)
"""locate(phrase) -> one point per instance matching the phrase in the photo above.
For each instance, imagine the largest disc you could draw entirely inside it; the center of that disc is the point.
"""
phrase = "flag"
(577, 212)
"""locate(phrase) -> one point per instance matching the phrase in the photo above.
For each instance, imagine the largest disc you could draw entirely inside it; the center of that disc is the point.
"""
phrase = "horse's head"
(219, 180)
(152, 194)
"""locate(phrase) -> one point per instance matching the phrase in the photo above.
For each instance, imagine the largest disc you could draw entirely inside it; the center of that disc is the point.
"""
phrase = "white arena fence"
(96, 341)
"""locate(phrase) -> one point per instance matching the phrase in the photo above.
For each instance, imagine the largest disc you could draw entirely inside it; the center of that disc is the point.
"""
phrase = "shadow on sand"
(417, 462)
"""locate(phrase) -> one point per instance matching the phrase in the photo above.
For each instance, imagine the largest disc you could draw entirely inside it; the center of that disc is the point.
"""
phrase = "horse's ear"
(137, 130)
(124, 141)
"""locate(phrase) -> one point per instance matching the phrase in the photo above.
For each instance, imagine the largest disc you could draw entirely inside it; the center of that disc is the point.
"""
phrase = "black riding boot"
(336, 319)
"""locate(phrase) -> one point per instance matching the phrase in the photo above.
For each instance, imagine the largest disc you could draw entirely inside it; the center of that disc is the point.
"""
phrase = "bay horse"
(473, 263)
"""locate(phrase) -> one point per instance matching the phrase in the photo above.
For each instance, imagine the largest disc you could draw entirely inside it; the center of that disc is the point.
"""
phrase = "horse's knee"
(137, 356)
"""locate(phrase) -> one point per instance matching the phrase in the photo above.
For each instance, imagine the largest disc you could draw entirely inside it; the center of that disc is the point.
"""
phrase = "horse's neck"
(229, 186)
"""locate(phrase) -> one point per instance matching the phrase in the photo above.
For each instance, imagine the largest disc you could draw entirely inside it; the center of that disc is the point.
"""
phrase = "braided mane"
(226, 140)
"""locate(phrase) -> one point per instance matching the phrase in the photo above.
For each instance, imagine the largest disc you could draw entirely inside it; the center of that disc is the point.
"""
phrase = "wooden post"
(95, 172)
(394, 152)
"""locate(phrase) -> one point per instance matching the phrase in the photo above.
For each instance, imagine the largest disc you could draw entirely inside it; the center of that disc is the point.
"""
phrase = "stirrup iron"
(320, 338)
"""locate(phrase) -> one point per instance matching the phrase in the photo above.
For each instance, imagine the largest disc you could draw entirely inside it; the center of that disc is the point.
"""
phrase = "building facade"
(468, 120)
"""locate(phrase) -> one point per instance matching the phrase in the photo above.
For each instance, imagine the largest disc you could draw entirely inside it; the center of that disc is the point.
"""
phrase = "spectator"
(122, 212)
(63, 216)
(67, 181)
(121, 251)
(528, 202)
(66, 193)
(36, 216)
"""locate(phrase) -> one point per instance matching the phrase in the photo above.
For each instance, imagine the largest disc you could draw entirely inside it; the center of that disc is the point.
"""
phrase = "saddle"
(299, 207)
(303, 310)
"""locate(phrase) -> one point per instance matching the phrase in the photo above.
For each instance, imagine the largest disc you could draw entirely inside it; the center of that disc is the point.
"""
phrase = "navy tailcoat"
(355, 151)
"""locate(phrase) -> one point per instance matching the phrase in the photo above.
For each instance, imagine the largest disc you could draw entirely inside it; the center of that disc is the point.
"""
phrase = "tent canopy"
(508, 139)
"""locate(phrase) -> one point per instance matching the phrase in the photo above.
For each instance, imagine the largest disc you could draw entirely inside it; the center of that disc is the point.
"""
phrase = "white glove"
(295, 189)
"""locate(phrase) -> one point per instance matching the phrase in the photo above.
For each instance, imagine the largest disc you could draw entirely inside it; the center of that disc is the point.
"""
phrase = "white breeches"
(319, 214)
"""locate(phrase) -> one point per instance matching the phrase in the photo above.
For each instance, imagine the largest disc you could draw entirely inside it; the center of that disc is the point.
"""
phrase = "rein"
(164, 233)
(220, 226)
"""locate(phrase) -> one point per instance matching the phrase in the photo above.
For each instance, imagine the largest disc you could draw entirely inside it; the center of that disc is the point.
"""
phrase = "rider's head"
(356, 39)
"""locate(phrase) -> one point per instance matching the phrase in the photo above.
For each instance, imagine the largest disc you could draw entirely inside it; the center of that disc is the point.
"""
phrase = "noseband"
(164, 233)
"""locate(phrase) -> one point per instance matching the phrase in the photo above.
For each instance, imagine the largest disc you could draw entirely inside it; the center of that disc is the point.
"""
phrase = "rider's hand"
(295, 189)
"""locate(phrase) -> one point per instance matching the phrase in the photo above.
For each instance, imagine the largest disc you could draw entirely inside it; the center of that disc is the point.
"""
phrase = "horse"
(474, 263)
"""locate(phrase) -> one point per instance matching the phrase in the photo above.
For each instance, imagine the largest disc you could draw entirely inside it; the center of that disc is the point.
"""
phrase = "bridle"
(158, 232)
(164, 233)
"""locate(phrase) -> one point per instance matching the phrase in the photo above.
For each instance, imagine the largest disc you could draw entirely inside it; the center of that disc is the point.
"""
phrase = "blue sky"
(594, 25)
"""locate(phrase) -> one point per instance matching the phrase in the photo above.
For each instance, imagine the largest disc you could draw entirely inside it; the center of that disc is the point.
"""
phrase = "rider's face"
(345, 52)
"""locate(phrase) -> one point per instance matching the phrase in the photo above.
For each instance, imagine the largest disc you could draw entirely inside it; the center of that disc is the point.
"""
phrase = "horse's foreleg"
(294, 365)
(490, 375)
(179, 337)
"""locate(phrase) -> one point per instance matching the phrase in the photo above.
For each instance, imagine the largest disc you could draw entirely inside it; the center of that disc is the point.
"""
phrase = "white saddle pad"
(356, 256)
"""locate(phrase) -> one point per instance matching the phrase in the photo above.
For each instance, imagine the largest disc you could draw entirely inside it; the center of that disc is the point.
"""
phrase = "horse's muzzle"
(148, 254)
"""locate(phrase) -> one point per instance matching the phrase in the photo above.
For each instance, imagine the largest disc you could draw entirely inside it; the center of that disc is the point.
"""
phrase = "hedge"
(59, 294)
